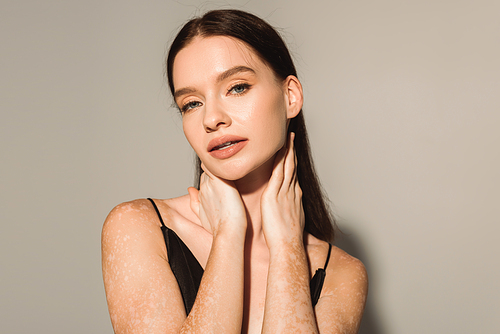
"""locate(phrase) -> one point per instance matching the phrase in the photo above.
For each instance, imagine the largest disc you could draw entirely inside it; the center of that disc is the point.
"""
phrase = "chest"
(254, 297)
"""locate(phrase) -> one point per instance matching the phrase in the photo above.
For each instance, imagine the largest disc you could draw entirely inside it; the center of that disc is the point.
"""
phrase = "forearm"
(288, 301)
(219, 303)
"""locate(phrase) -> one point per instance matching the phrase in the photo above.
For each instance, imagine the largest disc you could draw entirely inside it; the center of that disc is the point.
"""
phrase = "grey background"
(402, 103)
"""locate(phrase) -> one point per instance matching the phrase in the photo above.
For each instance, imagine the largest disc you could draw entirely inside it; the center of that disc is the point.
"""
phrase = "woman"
(248, 249)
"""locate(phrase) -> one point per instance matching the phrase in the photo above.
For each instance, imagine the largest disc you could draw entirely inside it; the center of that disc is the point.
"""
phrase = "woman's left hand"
(281, 202)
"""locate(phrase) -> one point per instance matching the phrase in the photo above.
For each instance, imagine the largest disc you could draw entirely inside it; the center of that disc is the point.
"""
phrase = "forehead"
(206, 57)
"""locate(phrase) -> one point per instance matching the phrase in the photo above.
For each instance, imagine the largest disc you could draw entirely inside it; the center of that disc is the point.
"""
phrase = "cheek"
(276, 121)
(267, 110)
(190, 132)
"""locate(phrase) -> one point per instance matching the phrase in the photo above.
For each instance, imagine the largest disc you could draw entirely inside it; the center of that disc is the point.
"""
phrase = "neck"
(250, 188)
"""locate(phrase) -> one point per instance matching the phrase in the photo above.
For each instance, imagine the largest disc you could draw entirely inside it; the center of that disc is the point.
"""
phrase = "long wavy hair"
(270, 47)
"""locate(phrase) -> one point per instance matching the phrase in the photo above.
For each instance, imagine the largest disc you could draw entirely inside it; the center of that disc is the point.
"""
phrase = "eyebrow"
(223, 76)
(232, 71)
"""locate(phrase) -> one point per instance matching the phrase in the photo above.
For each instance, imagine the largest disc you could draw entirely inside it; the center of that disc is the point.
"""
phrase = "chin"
(238, 169)
(228, 171)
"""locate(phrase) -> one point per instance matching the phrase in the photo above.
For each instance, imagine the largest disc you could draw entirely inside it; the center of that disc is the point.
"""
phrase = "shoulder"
(340, 264)
(138, 213)
(141, 213)
(136, 224)
(343, 297)
(130, 209)
(341, 267)
(344, 293)
(346, 271)
(134, 265)
(132, 226)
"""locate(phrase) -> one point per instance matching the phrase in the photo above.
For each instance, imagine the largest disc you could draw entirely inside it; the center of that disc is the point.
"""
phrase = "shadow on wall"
(347, 241)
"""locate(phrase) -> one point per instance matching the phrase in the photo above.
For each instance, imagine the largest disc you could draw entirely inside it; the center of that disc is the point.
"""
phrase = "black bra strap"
(161, 219)
(328, 256)
(318, 279)
(185, 267)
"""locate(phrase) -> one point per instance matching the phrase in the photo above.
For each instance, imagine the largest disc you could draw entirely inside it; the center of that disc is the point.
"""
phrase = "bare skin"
(248, 286)
(143, 296)
(248, 233)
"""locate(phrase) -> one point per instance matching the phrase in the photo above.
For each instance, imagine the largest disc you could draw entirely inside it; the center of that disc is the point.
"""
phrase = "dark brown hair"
(271, 49)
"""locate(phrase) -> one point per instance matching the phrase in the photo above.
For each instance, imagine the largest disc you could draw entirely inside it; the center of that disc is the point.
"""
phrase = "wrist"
(286, 248)
(233, 230)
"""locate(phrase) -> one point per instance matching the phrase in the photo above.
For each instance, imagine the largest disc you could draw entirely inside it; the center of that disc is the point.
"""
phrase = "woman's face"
(234, 109)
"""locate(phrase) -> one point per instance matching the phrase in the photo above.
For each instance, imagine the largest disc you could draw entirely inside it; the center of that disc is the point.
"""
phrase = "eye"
(190, 105)
(238, 89)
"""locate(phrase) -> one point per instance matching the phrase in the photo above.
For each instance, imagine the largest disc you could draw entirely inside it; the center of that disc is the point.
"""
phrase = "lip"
(227, 152)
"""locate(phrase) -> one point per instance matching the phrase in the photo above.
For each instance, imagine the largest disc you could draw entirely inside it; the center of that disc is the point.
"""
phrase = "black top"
(188, 271)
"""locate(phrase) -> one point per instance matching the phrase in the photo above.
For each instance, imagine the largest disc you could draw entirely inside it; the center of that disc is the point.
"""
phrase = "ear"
(293, 95)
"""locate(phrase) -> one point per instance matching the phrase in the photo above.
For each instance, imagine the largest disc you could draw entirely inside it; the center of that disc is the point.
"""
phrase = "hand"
(281, 202)
(218, 205)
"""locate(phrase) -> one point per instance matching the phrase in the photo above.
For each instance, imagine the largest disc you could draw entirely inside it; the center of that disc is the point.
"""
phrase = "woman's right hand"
(218, 205)
(218, 307)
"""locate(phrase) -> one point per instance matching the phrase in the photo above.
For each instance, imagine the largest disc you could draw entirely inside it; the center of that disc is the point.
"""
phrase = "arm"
(341, 306)
(288, 307)
(142, 292)
(288, 301)
(218, 307)
(219, 303)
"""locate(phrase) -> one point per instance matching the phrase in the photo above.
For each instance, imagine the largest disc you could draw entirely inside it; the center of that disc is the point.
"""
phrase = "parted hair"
(266, 42)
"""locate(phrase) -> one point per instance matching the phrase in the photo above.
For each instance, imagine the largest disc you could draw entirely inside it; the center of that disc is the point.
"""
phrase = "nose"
(215, 116)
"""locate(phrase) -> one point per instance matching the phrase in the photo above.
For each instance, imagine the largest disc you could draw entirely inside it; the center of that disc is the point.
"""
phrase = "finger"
(205, 170)
(295, 169)
(203, 179)
(280, 157)
(208, 173)
(289, 164)
(194, 201)
(277, 175)
(297, 192)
